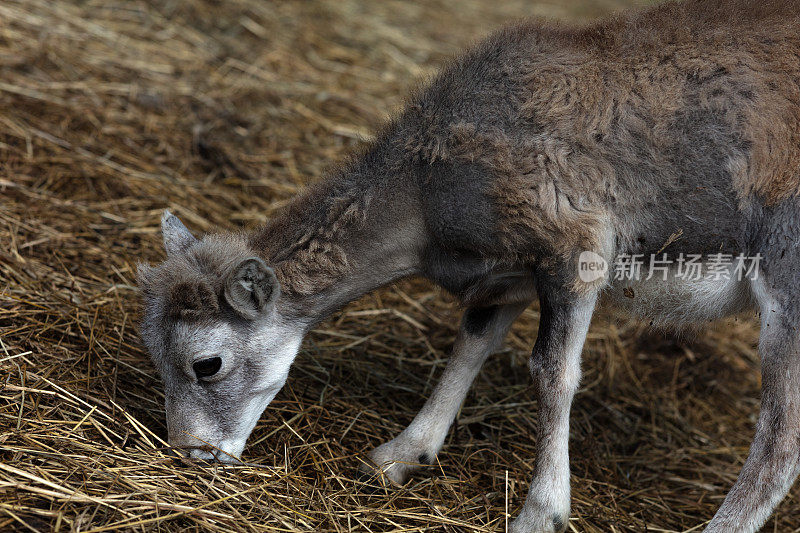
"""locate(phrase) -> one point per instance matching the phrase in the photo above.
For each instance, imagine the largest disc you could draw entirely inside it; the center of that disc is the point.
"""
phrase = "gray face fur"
(212, 298)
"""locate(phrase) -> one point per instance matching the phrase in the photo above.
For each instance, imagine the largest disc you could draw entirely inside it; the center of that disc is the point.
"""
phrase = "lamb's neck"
(343, 238)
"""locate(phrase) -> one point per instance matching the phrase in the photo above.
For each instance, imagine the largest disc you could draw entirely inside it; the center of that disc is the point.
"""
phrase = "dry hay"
(111, 111)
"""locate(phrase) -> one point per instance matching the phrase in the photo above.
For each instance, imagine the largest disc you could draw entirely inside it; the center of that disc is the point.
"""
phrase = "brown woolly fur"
(596, 102)
(192, 300)
(225, 111)
(526, 204)
(644, 58)
(306, 257)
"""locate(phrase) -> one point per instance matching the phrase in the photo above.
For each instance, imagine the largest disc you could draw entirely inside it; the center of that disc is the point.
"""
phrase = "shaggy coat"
(675, 130)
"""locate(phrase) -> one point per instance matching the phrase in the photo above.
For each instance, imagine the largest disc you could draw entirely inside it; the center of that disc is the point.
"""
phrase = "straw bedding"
(112, 110)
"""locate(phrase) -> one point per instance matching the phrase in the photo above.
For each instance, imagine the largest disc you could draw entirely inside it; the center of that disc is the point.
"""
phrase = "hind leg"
(774, 459)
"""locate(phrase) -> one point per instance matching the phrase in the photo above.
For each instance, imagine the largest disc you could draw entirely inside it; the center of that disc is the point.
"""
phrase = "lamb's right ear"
(176, 237)
(252, 288)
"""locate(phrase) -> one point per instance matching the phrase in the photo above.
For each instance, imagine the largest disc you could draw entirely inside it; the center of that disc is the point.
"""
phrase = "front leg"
(555, 367)
(482, 330)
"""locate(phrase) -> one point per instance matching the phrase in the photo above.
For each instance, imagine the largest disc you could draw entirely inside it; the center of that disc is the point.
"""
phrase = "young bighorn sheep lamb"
(526, 168)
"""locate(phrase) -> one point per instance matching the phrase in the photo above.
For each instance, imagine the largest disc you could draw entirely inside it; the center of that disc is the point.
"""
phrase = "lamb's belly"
(682, 301)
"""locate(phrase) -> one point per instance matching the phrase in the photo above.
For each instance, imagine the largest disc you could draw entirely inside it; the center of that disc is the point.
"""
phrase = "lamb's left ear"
(252, 288)
(176, 237)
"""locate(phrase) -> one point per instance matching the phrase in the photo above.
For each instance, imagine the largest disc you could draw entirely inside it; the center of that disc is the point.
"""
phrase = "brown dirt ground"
(112, 110)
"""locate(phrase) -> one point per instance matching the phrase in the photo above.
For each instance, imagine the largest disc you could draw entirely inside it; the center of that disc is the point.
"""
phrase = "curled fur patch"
(191, 300)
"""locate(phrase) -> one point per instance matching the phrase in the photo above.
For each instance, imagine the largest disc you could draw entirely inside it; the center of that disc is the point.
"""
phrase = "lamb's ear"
(252, 288)
(176, 237)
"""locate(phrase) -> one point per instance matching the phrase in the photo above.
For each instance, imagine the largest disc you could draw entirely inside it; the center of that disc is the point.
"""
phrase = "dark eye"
(207, 367)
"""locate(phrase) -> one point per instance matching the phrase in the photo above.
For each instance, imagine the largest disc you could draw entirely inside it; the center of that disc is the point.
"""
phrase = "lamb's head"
(214, 330)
